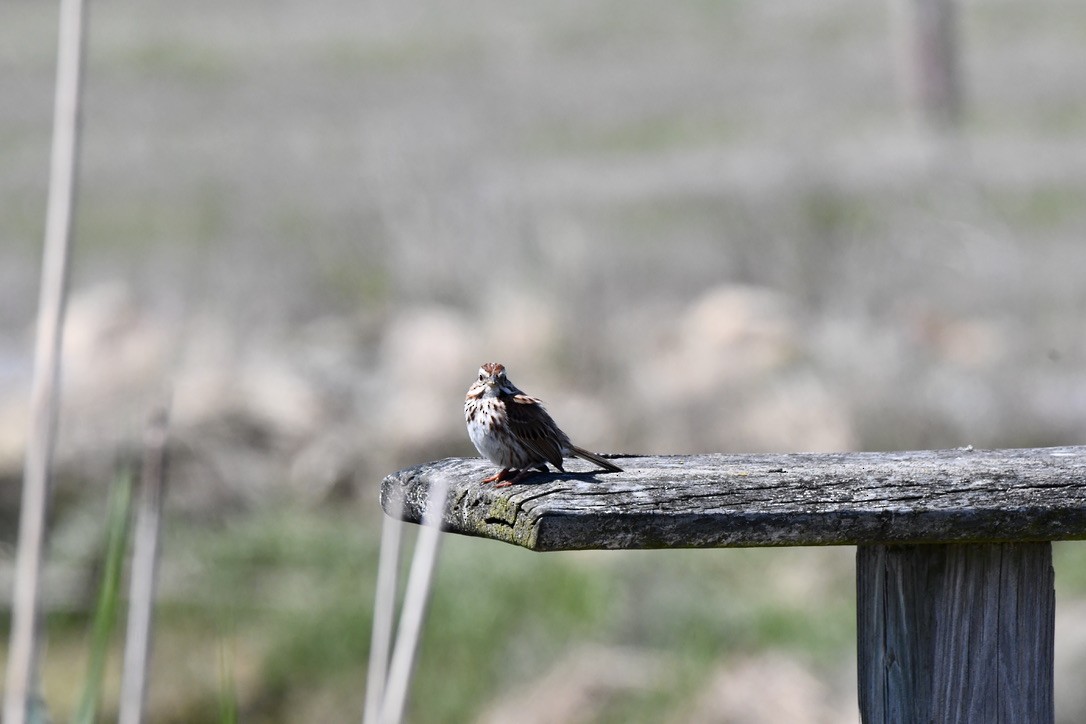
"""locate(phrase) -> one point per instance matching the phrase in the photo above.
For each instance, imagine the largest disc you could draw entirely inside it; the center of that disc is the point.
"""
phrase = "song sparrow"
(512, 430)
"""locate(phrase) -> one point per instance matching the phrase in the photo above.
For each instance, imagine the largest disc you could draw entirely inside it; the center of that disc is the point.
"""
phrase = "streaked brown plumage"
(514, 431)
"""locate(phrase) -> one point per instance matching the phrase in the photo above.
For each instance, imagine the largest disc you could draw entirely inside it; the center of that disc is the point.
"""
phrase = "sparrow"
(514, 431)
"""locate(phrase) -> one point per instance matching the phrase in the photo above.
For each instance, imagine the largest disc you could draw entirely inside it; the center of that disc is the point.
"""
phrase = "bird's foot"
(498, 476)
(521, 474)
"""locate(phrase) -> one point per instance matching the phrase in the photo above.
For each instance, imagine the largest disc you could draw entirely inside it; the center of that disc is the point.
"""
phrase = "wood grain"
(956, 633)
(703, 501)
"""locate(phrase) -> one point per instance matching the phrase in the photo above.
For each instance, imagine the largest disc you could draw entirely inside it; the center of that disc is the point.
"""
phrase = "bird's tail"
(594, 458)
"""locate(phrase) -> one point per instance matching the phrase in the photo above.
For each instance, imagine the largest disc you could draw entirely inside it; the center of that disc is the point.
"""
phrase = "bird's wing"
(535, 429)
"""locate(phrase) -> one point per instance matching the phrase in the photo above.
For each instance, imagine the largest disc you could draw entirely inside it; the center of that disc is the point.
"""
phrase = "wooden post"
(955, 633)
(930, 69)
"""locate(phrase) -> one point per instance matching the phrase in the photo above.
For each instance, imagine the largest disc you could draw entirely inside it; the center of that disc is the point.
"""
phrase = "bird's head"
(492, 381)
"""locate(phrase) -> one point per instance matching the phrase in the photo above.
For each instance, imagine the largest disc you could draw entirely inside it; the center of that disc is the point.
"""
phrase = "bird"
(514, 431)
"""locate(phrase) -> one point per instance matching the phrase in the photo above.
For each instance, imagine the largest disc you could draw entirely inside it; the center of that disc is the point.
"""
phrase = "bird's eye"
(481, 376)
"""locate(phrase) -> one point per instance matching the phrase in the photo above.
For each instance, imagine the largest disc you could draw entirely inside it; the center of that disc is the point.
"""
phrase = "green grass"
(502, 617)
(108, 608)
(1069, 562)
(143, 221)
(267, 619)
(1043, 207)
(639, 135)
(498, 613)
(180, 60)
(277, 614)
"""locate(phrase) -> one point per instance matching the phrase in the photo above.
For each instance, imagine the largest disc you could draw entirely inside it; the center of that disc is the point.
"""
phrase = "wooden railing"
(954, 584)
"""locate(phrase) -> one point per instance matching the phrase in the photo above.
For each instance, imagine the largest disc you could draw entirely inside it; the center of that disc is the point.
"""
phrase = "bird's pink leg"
(498, 476)
(515, 479)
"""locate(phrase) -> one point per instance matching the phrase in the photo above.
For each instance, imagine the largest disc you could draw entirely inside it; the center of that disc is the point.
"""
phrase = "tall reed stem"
(22, 686)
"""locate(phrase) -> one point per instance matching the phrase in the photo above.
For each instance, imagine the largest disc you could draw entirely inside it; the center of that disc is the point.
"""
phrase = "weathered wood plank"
(955, 633)
(692, 501)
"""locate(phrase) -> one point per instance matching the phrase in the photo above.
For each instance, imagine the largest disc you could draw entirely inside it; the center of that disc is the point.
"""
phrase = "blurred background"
(686, 226)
